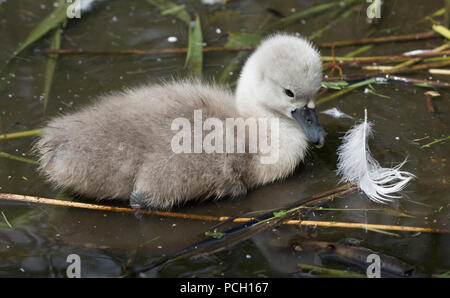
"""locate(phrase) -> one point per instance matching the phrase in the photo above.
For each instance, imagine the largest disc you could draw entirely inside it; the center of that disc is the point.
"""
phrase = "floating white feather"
(356, 165)
(336, 113)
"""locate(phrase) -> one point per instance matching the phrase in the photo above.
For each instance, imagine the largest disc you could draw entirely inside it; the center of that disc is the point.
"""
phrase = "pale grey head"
(282, 77)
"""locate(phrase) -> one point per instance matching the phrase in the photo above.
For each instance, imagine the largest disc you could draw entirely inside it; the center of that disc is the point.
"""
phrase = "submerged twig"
(322, 271)
(141, 52)
(18, 158)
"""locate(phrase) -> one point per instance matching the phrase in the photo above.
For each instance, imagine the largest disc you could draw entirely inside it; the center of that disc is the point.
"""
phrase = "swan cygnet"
(120, 147)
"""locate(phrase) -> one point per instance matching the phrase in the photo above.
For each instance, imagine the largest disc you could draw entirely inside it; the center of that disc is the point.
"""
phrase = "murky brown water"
(43, 236)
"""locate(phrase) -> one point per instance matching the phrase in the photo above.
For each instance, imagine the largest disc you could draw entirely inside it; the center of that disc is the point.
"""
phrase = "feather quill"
(356, 165)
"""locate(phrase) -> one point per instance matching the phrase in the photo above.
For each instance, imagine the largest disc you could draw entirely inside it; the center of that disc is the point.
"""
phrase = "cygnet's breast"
(282, 159)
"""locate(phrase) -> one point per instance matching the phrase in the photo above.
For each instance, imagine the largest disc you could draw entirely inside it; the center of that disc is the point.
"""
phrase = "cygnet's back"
(122, 146)
(123, 143)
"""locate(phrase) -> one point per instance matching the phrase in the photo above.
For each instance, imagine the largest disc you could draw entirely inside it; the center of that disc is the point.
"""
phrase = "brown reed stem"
(322, 196)
(139, 52)
(39, 200)
(415, 36)
(353, 225)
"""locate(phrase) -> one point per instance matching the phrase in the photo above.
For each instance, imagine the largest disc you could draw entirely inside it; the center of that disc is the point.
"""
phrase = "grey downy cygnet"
(121, 147)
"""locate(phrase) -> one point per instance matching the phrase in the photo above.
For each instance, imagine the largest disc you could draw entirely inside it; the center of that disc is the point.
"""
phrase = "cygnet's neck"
(246, 102)
(292, 142)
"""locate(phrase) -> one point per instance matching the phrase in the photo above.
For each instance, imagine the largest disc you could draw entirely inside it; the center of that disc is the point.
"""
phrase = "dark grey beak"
(308, 120)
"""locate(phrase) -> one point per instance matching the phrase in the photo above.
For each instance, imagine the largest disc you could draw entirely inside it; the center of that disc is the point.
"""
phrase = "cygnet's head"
(281, 78)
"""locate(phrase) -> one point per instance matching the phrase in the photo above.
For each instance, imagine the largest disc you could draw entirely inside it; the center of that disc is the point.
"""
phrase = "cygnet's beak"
(308, 120)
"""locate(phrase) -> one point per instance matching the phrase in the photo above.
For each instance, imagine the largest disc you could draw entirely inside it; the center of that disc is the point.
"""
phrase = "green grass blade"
(6, 220)
(363, 83)
(148, 241)
(372, 90)
(447, 13)
(24, 218)
(338, 85)
(18, 158)
(215, 234)
(194, 56)
(20, 134)
(174, 10)
(379, 231)
(434, 142)
(442, 30)
(346, 90)
(50, 22)
(359, 50)
(424, 85)
(241, 39)
(334, 95)
(169, 8)
(228, 71)
(342, 13)
(442, 275)
(248, 39)
(51, 65)
(289, 20)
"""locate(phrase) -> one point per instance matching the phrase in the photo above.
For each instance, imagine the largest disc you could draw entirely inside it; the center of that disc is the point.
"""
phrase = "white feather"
(356, 165)
(336, 113)
(416, 52)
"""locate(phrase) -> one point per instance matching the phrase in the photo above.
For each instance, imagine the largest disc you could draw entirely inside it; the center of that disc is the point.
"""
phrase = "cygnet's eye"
(289, 92)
